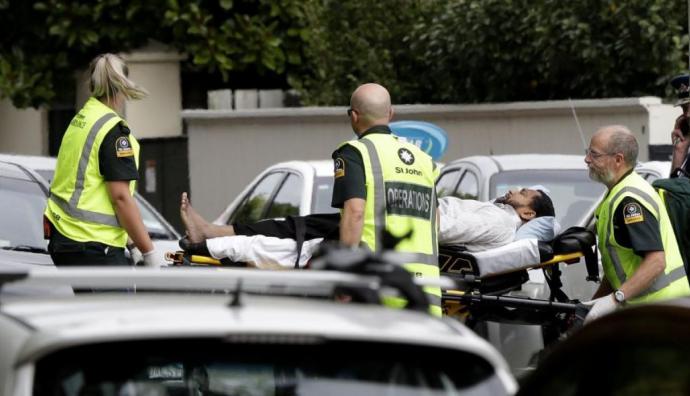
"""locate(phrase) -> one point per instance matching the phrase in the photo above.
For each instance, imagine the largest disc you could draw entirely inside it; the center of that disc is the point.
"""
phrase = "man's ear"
(526, 213)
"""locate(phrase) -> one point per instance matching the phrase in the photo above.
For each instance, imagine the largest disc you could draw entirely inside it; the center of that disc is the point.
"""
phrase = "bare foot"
(190, 218)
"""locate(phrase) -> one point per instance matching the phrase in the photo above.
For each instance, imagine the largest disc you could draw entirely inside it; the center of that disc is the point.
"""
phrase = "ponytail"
(108, 76)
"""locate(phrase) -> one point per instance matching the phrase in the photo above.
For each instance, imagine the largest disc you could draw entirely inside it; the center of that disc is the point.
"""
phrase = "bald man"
(382, 183)
(639, 251)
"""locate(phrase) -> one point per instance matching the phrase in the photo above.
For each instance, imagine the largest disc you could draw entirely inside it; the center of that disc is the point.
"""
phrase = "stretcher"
(489, 278)
(486, 279)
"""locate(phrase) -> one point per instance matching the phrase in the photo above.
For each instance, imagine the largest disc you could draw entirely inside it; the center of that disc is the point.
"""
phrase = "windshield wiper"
(26, 248)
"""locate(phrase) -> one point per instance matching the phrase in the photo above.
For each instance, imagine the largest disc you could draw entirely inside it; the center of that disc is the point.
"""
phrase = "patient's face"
(518, 198)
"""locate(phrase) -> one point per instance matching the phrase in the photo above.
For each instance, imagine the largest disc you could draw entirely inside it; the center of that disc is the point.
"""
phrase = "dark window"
(308, 367)
(448, 182)
(253, 207)
(288, 198)
(469, 186)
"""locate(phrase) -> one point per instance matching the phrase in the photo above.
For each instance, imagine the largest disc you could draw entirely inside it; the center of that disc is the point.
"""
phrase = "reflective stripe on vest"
(379, 193)
(71, 206)
(663, 280)
(419, 264)
(621, 262)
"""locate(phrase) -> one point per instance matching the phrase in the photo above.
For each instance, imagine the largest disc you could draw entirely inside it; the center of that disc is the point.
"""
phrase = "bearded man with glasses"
(639, 251)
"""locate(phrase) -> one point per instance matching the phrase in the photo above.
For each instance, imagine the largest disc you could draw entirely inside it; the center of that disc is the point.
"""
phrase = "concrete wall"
(23, 131)
(157, 69)
(227, 149)
(154, 67)
(157, 115)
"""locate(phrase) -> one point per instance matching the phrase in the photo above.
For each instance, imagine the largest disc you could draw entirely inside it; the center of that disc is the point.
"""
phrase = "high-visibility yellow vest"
(79, 205)
(401, 197)
(619, 262)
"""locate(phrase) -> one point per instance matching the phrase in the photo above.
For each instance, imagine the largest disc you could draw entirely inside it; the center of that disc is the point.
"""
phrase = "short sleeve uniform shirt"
(116, 156)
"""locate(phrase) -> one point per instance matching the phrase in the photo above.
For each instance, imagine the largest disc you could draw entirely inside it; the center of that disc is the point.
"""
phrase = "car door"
(256, 203)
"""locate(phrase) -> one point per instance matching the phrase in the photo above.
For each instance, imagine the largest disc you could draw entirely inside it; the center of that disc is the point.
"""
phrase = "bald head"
(372, 102)
(618, 139)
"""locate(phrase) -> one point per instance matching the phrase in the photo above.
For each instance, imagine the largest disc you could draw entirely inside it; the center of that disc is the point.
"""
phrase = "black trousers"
(67, 252)
(315, 226)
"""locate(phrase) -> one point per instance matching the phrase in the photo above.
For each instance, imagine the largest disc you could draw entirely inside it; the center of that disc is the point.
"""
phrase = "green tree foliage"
(42, 43)
(498, 50)
(424, 51)
(459, 51)
(357, 41)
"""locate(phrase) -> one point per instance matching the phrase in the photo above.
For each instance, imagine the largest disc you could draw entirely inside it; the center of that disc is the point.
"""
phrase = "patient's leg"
(198, 229)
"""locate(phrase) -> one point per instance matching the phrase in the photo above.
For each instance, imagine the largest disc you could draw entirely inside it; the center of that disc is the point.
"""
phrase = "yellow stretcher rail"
(562, 258)
(179, 258)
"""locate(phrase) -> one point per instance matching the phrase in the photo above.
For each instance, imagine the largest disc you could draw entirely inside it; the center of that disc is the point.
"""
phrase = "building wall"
(227, 149)
(23, 131)
(154, 67)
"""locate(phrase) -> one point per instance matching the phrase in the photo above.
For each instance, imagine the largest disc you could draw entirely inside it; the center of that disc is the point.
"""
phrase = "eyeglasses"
(593, 154)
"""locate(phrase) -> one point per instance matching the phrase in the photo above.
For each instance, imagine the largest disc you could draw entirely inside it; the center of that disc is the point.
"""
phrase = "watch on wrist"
(619, 296)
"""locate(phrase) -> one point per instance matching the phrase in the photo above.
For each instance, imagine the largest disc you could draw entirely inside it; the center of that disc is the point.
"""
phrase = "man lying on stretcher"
(476, 225)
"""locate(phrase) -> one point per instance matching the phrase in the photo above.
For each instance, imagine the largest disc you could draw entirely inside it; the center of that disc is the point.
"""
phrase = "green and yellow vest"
(401, 197)
(79, 205)
(619, 262)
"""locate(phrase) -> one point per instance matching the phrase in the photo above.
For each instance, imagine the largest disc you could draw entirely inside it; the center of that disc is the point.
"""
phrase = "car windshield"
(307, 367)
(21, 209)
(571, 191)
(323, 192)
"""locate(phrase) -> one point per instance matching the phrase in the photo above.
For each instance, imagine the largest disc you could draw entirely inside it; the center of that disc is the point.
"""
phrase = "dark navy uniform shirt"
(350, 181)
(635, 227)
(116, 156)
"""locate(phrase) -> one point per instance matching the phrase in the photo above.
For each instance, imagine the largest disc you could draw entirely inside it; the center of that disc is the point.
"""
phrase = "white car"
(163, 235)
(304, 187)
(286, 188)
(195, 331)
(22, 201)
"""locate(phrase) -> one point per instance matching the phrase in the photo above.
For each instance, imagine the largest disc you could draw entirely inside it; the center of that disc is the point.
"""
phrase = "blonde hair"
(108, 76)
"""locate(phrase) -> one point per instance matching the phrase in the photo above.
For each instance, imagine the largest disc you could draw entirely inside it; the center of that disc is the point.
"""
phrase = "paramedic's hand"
(153, 259)
(600, 307)
(135, 255)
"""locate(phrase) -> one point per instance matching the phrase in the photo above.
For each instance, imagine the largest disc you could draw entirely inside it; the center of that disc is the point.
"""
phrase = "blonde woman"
(91, 211)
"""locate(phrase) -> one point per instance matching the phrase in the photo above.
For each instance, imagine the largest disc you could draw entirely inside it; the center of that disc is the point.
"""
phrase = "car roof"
(524, 161)
(320, 168)
(30, 161)
(662, 168)
(110, 317)
(18, 171)
(43, 324)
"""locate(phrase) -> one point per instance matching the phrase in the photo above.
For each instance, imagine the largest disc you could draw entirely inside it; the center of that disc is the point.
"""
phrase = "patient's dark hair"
(542, 205)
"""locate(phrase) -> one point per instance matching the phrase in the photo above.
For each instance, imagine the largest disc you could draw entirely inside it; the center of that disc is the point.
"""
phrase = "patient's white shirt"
(476, 225)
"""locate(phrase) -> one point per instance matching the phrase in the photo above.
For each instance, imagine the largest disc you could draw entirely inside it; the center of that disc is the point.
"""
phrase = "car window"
(21, 209)
(252, 208)
(448, 182)
(287, 200)
(469, 186)
(203, 367)
(572, 191)
(322, 195)
(155, 227)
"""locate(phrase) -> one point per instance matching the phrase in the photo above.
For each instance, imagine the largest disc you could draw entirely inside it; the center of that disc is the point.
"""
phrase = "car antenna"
(235, 302)
(577, 122)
